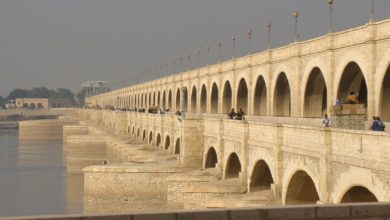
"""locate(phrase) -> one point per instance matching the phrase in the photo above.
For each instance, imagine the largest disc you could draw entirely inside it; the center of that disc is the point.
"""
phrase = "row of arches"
(157, 140)
(300, 190)
(260, 98)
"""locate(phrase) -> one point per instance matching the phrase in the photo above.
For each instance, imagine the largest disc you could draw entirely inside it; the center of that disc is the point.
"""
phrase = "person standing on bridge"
(325, 121)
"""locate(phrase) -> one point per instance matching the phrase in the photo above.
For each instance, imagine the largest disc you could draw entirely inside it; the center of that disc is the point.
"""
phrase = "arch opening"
(301, 189)
(177, 146)
(150, 137)
(353, 80)
(385, 97)
(242, 95)
(193, 99)
(158, 140)
(214, 99)
(167, 143)
(282, 97)
(211, 158)
(144, 135)
(138, 133)
(261, 177)
(227, 97)
(203, 99)
(170, 104)
(358, 194)
(315, 103)
(178, 100)
(158, 99)
(260, 97)
(233, 167)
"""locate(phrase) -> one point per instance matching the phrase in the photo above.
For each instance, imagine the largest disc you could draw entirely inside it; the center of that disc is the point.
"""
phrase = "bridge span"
(279, 148)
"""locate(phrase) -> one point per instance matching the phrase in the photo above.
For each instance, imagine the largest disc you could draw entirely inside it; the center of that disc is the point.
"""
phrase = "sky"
(63, 43)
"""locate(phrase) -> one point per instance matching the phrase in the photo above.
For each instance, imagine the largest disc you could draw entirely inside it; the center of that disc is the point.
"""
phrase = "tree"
(18, 93)
(3, 101)
(81, 97)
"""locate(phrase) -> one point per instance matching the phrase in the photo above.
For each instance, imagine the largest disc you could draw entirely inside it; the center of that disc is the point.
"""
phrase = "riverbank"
(15, 115)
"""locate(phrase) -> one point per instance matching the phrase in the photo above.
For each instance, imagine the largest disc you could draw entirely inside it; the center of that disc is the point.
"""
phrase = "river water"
(33, 179)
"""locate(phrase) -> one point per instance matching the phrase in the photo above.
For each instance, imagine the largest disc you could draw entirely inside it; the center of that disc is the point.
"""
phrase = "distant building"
(32, 103)
(60, 103)
(93, 88)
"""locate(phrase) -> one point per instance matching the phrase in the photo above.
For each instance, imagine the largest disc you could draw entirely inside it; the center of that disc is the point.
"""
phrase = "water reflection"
(33, 179)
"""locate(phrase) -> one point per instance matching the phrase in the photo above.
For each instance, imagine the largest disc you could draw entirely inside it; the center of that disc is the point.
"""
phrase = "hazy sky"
(62, 43)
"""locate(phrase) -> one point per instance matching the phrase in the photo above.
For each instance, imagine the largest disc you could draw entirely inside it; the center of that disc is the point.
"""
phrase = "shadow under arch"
(177, 146)
(227, 97)
(260, 97)
(233, 167)
(214, 99)
(301, 190)
(150, 137)
(358, 194)
(211, 158)
(203, 99)
(315, 100)
(282, 97)
(158, 140)
(261, 177)
(167, 142)
(193, 99)
(352, 80)
(384, 107)
(242, 95)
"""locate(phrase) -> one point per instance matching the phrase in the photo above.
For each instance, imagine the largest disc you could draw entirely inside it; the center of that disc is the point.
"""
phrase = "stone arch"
(142, 100)
(164, 101)
(167, 143)
(177, 146)
(211, 158)
(301, 189)
(185, 99)
(233, 166)
(242, 95)
(282, 96)
(154, 99)
(32, 106)
(352, 80)
(178, 99)
(261, 178)
(144, 135)
(133, 131)
(158, 99)
(203, 99)
(358, 194)
(260, 97)
(170, 104)
(158, 140)
(227, 97)
(150, 100)
(193, 102)
(384, 100)
(40, 106)
(214, 99)
(150, 137)
(315, 99)
(138, 133)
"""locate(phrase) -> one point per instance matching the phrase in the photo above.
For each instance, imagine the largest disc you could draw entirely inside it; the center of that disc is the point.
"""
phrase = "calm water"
(33, 180)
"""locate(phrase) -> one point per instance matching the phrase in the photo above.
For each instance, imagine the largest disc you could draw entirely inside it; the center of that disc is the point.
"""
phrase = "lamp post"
(233, 47)
(269, 25)
(250, 42)
(330, 3)
(372, 11)
(296, 15)
(173, 67)
(181, 64)
(219, 51)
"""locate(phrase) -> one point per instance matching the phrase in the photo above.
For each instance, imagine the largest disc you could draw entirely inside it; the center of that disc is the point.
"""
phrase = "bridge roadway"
(301, 163)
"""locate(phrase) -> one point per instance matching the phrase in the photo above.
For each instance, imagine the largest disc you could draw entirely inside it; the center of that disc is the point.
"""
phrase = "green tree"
(3, 101)
(18, 93)
(81, 98)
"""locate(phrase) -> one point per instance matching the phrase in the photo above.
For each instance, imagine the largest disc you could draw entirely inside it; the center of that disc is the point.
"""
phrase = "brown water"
(33, 180)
